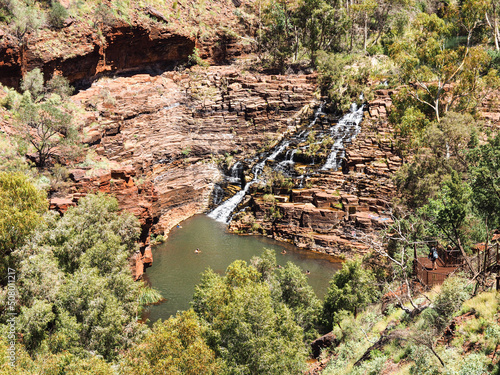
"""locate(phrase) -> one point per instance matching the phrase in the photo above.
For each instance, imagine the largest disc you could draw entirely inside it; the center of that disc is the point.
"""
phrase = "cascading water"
(224, 211)
(286, 165)
(344, 132)
(235, 173)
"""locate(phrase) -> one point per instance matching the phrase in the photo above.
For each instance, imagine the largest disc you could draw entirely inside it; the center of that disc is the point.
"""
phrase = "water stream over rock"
(344, 131)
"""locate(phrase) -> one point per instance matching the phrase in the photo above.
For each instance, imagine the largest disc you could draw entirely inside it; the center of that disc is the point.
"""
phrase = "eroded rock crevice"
(82, 55)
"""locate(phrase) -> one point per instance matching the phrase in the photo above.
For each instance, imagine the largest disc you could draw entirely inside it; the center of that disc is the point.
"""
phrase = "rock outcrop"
(172, 130)
(342, 206)
(85, 49)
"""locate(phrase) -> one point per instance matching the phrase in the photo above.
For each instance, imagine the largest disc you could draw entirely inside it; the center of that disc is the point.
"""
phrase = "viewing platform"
(451, 260)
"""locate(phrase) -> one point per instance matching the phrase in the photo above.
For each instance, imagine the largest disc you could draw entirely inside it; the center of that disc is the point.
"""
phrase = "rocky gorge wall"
(159, 137)
(84, 49)
(166, 135)
(340, 206)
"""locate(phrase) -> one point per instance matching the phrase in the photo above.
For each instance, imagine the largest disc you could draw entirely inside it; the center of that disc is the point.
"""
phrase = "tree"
(439, 149)
(45, 121)
(350, 290)
(94, 234)
(175, 346)
(491, 17)
(343, 78)
(57, 14)
(250, 331)
(320, 23)
(32, 82)
(60, 363)
(450, 211)
(77, 293)
(485, 180)
(300, 298)
(278, 36)
(21, 209)
(435, 319)
(439, 77)
(25, 18)
(46, 127)
(289, 285)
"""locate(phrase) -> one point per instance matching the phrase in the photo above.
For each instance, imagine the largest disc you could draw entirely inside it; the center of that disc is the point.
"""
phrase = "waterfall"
(224, 211)
(235, 173)
(217, 195)
(345, 131)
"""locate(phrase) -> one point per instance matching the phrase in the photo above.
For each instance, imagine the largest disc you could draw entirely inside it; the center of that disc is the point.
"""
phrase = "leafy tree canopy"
(175, 346)
(246, 328)
(350, 290)
(21, 209)
(485, 180)
(75, 287)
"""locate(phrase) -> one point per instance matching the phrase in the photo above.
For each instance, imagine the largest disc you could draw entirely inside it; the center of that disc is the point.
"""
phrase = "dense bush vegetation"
(79, 308)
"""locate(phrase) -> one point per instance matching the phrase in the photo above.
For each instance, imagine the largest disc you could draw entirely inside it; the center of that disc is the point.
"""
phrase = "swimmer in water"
(308, 272)
(283, 252)
(197, 251)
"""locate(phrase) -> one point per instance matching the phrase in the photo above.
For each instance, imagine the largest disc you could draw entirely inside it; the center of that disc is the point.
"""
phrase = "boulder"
(324, 342)
(61, 205)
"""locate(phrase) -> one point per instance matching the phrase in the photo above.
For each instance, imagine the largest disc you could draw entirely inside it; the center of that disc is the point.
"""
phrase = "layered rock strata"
(147, 40)
(172, 130)
(342, 206)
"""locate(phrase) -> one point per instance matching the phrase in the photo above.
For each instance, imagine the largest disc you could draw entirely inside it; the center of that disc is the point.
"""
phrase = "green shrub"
(351, 289)
(57, 15)
(59, 85)
(32, 82)
(195, 59)
(473, 364)
(453, 293)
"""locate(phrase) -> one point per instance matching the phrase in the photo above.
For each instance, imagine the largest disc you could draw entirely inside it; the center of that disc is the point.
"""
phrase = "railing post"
(498, 254)
(486, 253)
(478, 257)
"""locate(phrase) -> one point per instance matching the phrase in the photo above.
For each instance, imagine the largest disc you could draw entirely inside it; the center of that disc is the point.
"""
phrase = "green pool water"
(177, 268)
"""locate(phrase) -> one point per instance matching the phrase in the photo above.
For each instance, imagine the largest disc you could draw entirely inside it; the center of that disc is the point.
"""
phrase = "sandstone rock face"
(77, 52)
(343, 206)
(168, 132)
(81, 54)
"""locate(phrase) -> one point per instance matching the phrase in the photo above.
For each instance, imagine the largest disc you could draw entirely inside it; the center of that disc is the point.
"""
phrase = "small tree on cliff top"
(45, 121)
(45, 127)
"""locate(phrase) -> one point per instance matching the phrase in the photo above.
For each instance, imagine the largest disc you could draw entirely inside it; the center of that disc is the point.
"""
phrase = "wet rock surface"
(340, 205)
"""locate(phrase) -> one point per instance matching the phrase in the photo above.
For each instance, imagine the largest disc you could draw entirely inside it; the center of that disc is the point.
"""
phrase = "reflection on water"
(176, 268)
